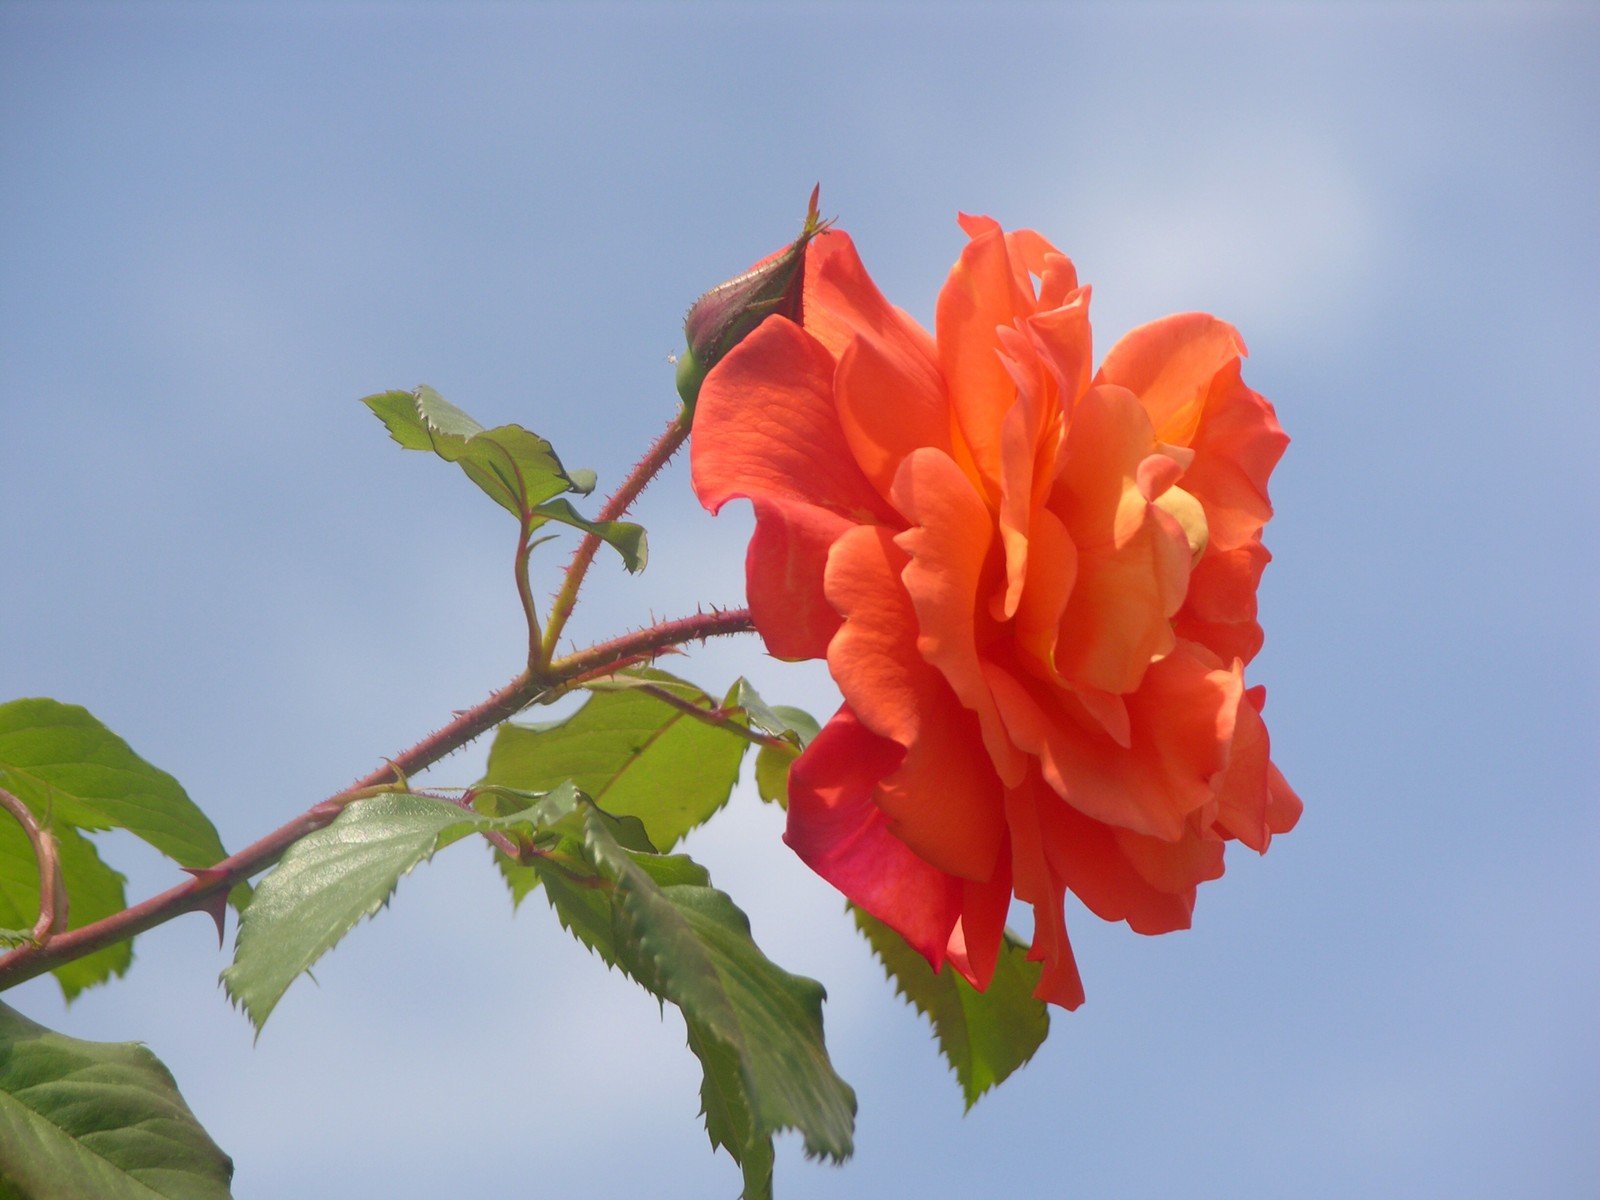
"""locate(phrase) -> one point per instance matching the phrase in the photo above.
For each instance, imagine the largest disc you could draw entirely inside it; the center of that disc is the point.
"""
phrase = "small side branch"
(52, 892)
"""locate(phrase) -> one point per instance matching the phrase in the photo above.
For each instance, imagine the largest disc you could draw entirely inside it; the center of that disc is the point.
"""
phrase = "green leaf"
(625, 537)
(68, 767)
(756, 1028)
(985, 1036)
(773, 762)
(97, 1119)
(518, 470)
(326, 883)
(632, 754)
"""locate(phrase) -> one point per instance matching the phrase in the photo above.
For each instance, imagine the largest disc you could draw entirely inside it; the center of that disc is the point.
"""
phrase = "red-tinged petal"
(842, 302)
(839, 833)
(1219, 611)
(889, 405)
(784, 570)
(1169, 364)
(766, 426)
(1236, 445)
(975, 941)
(944, 799)
(1038, 885)
(1086, 856)
(980, 295)
(948, 546)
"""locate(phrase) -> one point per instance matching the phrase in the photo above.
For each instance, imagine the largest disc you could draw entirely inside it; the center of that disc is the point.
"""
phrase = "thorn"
(214, 906)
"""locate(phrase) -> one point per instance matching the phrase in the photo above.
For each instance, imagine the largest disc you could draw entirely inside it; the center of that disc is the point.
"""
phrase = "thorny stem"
(209, 886)
(646, 469)
(52, 895)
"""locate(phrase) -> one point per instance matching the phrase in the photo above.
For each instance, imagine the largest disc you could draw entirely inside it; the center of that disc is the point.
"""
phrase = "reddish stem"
(646, 469)
(26, 962)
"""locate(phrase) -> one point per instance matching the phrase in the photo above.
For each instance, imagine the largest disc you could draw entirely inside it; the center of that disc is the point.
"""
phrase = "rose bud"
(725, 315)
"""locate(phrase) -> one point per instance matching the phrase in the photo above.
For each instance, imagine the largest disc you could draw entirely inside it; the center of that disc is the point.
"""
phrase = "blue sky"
(222, 224)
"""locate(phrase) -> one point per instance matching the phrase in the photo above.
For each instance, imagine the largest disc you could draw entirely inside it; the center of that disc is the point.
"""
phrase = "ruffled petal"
(1037, 884)
(1236, 445)
(1169, 364)
(943, 800)
(839, 833)
(1089, 858)
(1133, 559)
(1219, 611)
(1181, 724)
(948, 545)
(765, 426)
(980, 296)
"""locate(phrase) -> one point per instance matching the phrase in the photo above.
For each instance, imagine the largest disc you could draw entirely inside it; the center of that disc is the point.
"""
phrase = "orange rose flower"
(1034, 585)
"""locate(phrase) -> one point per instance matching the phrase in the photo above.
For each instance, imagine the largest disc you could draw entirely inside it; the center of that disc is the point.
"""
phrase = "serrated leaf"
(631, 754)
(94, 891)
(325, 884)
(756, 1028)
(984, 1036)
(69, 768)
(97, 1119)
(517, 469)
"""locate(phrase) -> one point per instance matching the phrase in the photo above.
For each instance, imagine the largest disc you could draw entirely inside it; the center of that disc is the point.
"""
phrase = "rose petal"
(784, 570)
(944, 798)
(765, 426)
(1038, 885)
(839, 833)
(1169, 364)
(888, 406)
(948, 546)
(842, 303)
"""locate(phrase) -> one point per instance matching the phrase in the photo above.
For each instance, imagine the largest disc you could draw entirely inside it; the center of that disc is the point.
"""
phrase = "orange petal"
(1133, 559)
(1038, 885)
(839, 833)
(1219, 611)
(1237, 444)
(1169, 364)
(1088, 858)
(841, 302)
(944, 799)
(1052, 570)
(766, 426)
(980, 295)
(1181, 723)
(889, 404)
(783, 577)
(948, 546)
